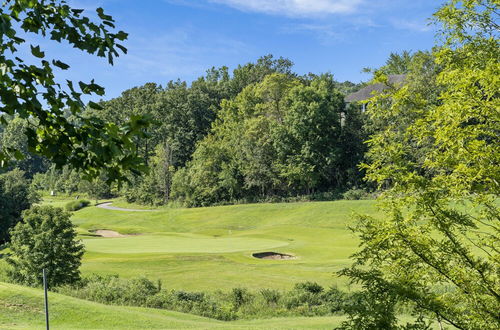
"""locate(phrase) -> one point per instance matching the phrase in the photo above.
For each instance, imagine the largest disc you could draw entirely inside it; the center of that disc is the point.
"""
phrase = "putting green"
(179, 244)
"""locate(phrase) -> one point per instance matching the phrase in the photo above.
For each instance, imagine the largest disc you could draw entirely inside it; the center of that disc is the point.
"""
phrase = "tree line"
(260, 132)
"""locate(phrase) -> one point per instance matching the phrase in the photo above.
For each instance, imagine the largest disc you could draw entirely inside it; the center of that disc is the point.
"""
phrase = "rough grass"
(22, 308)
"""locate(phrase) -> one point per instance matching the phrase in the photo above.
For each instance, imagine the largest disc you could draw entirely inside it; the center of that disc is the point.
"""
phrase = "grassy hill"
(211, 248)
(22, 308)
(198, 249)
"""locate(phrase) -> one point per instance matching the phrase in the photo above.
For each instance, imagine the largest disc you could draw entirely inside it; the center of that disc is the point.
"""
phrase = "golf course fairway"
(211, 248)
(179, 244)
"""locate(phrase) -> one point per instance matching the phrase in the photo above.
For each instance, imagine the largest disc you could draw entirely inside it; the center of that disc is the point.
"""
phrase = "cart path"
(108, 206)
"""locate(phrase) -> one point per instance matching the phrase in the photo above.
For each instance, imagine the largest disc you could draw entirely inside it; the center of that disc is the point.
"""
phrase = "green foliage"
(154, 188)
(14, 137)
(97, 188)
(240, 297)
(308, 145)
(377, 305)
(438, 247)
(76, 205)
(356, 194)
(15, 197)
(271, 297)
(70, 181)
(397, 63)
(259, 134)
(57, 130)
(182, 116)
(306, 299)
(69, 313)
(282, 136)
(45, 239)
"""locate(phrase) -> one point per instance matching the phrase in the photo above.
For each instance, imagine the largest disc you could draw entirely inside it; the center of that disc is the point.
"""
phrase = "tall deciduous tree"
(31, 91)
(438, 247)
(282, 136)
(308, 143)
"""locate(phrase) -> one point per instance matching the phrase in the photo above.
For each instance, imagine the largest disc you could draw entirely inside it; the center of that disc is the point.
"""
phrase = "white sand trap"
(109, 233)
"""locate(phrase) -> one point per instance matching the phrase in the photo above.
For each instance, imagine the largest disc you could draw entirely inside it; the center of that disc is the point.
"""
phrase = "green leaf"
(108, 23)
(100, 13)
(37, 52)
(60, 64)
(121, 35)
(123, 49)
(94, 105)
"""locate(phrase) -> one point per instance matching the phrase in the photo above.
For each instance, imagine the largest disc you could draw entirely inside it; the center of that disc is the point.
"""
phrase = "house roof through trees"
(367, 92)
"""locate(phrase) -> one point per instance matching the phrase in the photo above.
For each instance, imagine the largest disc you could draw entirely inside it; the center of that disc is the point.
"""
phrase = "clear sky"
(170, 39)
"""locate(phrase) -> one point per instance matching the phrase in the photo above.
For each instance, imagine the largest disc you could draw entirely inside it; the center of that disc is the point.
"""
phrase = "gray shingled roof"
(368, 91)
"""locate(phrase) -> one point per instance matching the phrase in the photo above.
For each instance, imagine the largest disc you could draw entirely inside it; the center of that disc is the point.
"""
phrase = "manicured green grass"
(120, 202)
(211, 248)
(62, 200)
(180, 243)
(199, 249)
(22, 308)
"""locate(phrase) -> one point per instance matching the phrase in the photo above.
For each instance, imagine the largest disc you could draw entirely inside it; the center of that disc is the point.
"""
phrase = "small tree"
(45, 239)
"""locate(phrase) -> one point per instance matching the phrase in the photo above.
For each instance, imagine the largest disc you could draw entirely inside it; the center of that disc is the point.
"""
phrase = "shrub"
(240, 297)
(271, 297)
(304, 296)
(356, 194)
(336, 299)
(305, 299)
(45, 239)
(189, 296)
(310, 287)
(76, 205)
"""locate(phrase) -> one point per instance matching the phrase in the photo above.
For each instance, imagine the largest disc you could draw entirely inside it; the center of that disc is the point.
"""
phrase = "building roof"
(367, 92)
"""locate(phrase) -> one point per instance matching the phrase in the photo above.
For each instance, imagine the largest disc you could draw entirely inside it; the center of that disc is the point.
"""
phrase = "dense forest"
(260, 133)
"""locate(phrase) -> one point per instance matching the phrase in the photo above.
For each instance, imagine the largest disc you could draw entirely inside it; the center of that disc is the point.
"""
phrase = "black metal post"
(46, 300)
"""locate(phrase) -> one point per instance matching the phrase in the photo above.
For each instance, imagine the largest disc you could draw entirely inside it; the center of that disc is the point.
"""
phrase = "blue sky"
(170, 39)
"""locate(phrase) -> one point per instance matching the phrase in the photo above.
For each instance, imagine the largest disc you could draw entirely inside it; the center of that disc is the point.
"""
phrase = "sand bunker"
(108, 233)
(273, 256)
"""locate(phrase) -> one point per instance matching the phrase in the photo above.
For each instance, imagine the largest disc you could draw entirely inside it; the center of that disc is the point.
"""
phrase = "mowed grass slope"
(22, 308)
(211, 248)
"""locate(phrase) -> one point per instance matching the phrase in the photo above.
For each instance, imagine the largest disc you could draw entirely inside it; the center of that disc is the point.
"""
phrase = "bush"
(306, 299)
(240, 297)
(356, 194)
(271, 297)
(76, 205)
(309, 287)
(45, 239)
(304, 296)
